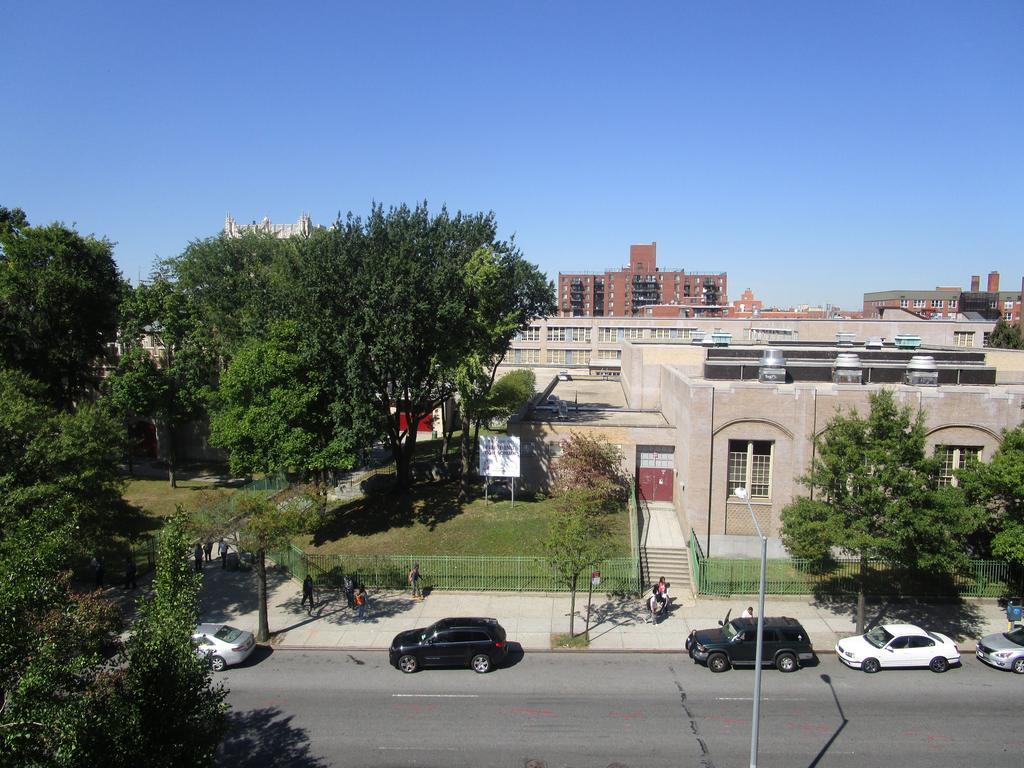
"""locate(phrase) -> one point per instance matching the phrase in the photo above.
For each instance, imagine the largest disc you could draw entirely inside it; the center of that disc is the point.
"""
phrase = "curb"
(364, 649)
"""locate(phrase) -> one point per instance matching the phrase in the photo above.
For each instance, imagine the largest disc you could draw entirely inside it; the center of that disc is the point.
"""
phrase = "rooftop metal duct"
(845, 338)
(873, 342)
(847, 369)
(922, 371)
(772, 367)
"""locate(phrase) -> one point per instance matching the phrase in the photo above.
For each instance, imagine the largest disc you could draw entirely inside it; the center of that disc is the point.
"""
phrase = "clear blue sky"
(813, 150)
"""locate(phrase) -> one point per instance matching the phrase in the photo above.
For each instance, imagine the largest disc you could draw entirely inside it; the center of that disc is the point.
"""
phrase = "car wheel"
(481, 663)
(1018, 665)
(870, 666)
(786, 662)
(938, 664)
(408, 663)
(217, 663)
(717, 662)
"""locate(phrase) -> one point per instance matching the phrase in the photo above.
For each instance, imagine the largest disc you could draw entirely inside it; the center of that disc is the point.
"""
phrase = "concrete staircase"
(663, 550)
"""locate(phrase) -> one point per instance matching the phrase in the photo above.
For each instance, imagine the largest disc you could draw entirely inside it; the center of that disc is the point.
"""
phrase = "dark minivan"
(735, 643)
(475, 642)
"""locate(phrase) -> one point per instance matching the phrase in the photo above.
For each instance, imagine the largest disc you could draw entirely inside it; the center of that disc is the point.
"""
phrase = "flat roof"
(593, 400)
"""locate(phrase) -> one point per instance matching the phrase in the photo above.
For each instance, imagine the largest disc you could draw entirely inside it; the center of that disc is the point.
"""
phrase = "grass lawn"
(157, 499)
(429, 520)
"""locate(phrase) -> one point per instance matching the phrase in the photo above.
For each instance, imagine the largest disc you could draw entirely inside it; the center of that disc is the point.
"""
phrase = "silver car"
(1004, 650)
(224, 645)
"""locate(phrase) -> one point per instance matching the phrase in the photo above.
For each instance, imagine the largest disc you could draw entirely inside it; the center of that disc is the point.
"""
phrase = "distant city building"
(748, 306)
(948, 302)
(641, 289)
(302, 228)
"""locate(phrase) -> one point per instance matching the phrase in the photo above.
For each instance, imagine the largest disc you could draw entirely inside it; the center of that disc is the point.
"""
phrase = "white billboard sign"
(499, 456)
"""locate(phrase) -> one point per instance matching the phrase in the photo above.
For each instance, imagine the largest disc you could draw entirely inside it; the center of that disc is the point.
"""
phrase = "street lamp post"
(741, 493)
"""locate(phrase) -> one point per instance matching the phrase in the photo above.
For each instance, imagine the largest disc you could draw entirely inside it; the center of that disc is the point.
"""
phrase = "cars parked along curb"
(786, 644)
(475, 642)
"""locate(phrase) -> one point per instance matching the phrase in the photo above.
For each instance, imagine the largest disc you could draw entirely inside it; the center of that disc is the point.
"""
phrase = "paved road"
(324, 708)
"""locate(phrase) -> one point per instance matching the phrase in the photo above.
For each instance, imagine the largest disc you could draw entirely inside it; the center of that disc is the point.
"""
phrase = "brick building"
(949, 302)
(633, 290)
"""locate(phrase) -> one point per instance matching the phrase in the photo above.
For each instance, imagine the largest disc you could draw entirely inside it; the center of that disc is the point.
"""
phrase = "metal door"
(655, 472)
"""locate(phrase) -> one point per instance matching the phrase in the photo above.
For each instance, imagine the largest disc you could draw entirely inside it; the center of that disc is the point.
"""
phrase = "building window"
(556, 334)
(530, 334)
(577, 334)
(556, 355)
(938, 303)
(606, 334)
(952, 303)
(661, 333)
(963, 338)
(578, 357)
(955, 457)
(609, 354)
(750, 467)
(526, 356)
(918, 303)
(1008, 315)
(633, 333)
(985, 338)
(903, 303)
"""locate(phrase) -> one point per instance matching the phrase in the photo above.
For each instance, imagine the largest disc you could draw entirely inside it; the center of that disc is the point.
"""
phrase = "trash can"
(1014, 610)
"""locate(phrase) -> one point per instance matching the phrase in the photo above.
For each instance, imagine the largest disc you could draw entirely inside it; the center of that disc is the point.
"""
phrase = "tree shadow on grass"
(429, 505)
(268, 738)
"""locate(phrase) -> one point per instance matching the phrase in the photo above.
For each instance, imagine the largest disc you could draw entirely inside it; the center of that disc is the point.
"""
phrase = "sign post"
(595, 580)
(499, 457)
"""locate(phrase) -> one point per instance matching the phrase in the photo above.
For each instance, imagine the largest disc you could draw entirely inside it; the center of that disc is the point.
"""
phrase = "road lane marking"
(435, 695)
(751, 698)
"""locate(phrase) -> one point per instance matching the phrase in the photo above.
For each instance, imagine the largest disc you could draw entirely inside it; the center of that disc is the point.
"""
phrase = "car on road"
(456, 642)
(1004, 650)
(564, 376)
(898, 645)
(734, 643)
(224, 645)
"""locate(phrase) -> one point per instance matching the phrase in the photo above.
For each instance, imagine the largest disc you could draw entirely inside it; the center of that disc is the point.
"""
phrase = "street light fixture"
(741, 493)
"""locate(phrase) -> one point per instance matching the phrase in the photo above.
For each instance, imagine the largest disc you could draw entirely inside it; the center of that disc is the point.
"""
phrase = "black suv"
(735, 642)
(479, 643)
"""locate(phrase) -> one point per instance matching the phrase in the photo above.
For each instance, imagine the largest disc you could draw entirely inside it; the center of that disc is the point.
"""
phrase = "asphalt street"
(330, 708)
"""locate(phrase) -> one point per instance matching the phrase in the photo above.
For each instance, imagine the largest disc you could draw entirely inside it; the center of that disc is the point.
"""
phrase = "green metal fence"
(469, 573)
(799, 576)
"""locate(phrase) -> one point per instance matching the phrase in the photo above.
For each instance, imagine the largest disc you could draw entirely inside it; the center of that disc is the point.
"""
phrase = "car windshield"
(878, 637)
(227, 634)
(730, 630)
(1017, 636)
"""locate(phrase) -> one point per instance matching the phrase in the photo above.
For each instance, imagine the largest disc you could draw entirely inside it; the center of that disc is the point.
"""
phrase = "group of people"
(99, 571)
(355, 594)
(658, 601)
(203, 552)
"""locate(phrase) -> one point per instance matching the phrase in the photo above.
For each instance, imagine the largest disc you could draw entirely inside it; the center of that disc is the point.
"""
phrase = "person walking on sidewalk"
(223, 553)
(350, 591)
(97, 570)
(198, 554)
(208, 550)
(361, 602)
(307, 592)
(130, 569)
(414, 581)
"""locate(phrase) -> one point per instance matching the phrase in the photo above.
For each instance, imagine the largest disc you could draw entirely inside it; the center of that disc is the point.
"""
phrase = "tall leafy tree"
(504, 293)
(136, 389)
(176, 387)
(272, 410)
(593, 463)
(1006, 336)
(875, 497)
(997, 488)
(59, 297)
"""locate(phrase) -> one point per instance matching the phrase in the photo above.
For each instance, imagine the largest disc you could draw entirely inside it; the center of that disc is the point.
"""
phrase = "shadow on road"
(957, 619)
(267, 738)
(515, 655)
(835, 735)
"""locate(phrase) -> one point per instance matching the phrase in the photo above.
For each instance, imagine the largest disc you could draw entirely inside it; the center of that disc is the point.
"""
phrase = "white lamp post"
(741, 493)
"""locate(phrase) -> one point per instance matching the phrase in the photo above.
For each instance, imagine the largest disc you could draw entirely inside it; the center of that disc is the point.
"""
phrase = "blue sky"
(812, 150)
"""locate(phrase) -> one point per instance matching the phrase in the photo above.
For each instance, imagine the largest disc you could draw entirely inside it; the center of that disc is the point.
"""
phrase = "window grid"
(606, 334)
(956, 457)
(750, 467)
(530, 334)
(556, 355)
(963, 338)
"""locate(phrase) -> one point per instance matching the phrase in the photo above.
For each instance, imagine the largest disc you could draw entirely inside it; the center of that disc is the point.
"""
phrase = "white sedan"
(898, 645)
(223, 645)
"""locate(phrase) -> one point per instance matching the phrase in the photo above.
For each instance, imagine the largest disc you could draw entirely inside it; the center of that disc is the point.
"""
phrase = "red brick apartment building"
(632, 290)
(948, 303)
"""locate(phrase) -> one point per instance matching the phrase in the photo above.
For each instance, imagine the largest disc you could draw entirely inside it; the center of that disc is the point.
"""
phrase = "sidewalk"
(531, 618)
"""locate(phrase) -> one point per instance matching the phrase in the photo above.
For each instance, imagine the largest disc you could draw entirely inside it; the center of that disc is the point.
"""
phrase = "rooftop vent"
(720, 338)
(772, 367)
(873, 342)
(847, 369)
(922, 371)
(845, 338)
(697, 336)
(906, 341)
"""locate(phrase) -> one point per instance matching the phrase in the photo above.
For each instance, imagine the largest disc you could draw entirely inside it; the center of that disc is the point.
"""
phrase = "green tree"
(503, 294)
(12, 221)
(259, 525)
(592, 463)
(1006, 336)
(997, 488)
(272, 410)
(50, 457)
(161, 707)
(136, 389)
(877, 497)
(59, 296)
(181, 379)
(577, 541)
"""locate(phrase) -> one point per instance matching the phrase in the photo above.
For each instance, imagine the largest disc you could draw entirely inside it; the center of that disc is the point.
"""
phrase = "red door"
(654, 474)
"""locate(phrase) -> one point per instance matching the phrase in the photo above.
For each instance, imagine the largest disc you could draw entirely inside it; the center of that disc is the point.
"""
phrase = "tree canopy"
(997, 487)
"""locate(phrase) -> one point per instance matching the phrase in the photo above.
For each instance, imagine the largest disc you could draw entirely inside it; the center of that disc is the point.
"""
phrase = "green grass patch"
(568, 641)
(157, 499)
(430, 520)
